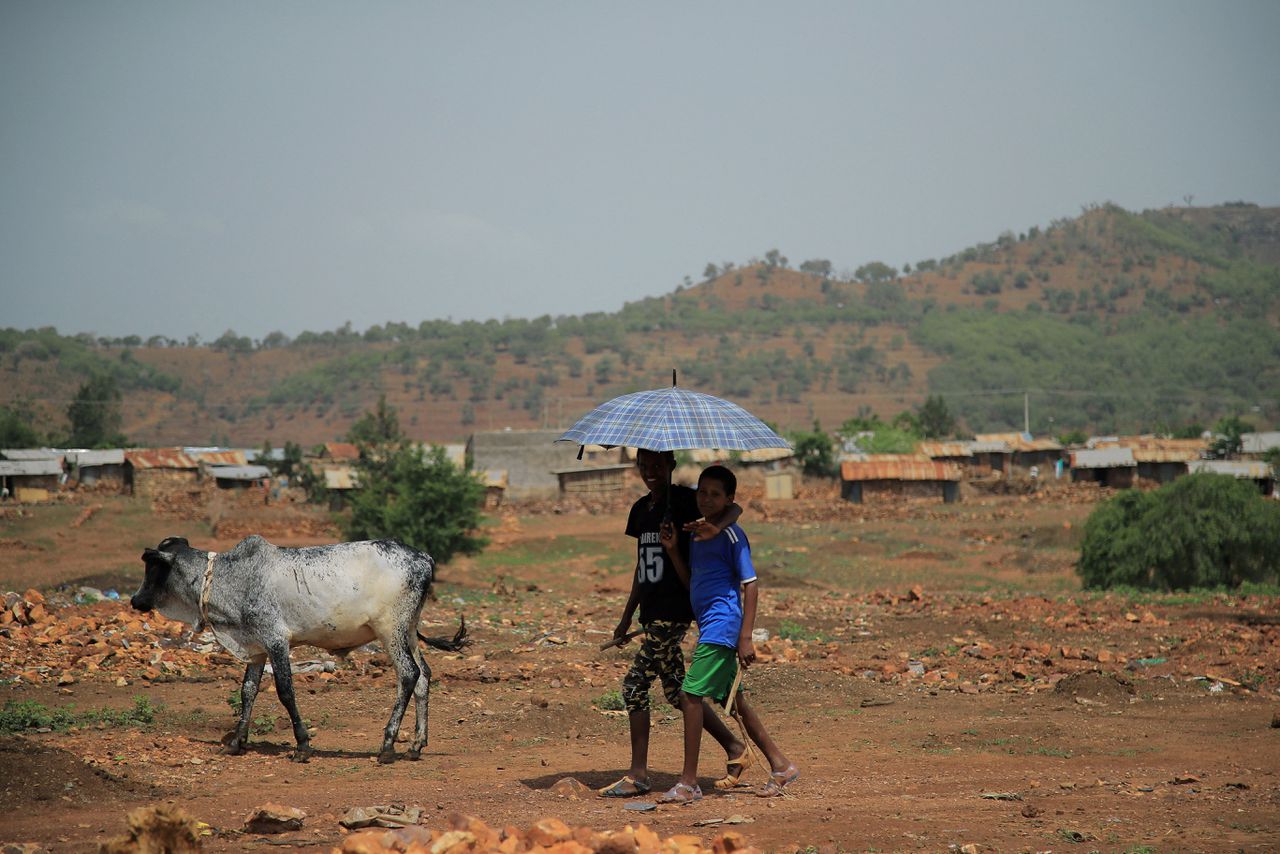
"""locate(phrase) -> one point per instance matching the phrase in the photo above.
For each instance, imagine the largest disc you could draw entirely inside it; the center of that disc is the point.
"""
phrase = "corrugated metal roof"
(276, 455)
(96, 458)
(577, 469)
(1103, 458)
(1259, 443)
(341, 451)
(903, 468)
(159, 458)
(223, 457)
(240, 472)
(1165, 455)
(1244, 469)
(944, 449)
(1151, 443)
(340, 478)
(30, 454)
(1014, 442)
(983, 446)
(30, 468)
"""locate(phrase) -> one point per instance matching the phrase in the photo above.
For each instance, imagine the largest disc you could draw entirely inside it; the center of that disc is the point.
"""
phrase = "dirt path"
(1037, 723)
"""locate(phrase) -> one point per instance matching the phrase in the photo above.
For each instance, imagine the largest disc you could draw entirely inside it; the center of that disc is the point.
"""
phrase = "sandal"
(627, 787)
(681, 793)
(778, 782)
(730, 779)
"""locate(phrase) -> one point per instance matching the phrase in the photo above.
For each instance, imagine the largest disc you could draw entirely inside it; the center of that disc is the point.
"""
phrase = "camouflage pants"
(659, 657)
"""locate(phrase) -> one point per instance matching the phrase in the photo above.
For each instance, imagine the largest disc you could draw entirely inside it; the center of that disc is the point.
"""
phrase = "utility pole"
(1026, 413)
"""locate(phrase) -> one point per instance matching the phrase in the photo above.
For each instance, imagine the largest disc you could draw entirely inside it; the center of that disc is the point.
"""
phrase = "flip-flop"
(681, 793)
(627, 787)
(778, 781)
(730, 779)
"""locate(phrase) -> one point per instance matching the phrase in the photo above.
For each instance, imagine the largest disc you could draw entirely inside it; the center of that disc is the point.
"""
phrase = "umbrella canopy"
(673, 419)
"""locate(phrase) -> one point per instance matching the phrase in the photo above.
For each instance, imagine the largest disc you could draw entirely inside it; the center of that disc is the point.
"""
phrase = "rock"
(574, 790)
(1275, 720)
(274, 818)
(548, 832)
(1031, 811)
(164, 827)
(380, 815)
(453, 841)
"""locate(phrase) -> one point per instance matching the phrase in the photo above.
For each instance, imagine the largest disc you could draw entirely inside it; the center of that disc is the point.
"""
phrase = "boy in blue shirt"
(723, 592)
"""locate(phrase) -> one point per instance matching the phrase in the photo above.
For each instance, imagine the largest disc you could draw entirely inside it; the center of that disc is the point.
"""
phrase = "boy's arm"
(628, 612)
(746, 649)
(671, 542)
(703, 530)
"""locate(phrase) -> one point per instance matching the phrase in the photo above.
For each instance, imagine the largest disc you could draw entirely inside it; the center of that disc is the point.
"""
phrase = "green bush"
(1203, 530)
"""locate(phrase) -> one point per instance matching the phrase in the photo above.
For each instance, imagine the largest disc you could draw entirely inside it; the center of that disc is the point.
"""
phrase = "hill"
(1110, 321)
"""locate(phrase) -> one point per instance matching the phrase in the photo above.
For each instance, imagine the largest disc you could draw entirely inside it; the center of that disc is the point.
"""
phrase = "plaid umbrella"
(673, 419)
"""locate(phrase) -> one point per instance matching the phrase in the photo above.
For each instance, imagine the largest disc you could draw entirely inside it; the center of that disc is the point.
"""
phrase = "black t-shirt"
(662, 596)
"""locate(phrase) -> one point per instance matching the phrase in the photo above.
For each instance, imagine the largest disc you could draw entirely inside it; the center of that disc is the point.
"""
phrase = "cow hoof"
(386, 757)
(301, 756)
(414, 753)
(233, 749)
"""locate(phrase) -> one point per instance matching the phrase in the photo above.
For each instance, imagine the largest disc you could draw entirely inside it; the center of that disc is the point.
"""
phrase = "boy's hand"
(667, 536)
(746, 651)
(620, 633)
(702, 530)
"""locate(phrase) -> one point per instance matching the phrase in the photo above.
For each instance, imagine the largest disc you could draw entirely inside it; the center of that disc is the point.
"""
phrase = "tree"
(377, 428)
(935, 419)
(1202, 530)
(419, 498)
(815, 452)
(95, 414)
(710, 272)
(1228, 436)
(875, 272)
(16, 430)
(774, 259)
(817, 266)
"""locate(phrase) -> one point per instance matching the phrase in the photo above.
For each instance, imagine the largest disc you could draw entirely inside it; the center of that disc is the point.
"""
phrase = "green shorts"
(711, 672)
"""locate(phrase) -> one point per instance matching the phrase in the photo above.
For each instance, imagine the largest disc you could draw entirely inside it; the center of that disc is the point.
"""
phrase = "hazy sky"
(192, 167)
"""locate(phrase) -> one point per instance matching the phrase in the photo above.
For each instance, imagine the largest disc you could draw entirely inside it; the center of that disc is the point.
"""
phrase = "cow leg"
(279, 653)
(248, 693)
(421, 702)
(407, 674)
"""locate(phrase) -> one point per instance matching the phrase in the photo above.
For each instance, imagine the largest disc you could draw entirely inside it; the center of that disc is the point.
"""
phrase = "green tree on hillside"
(875, 272)
(17, 427)
(95, 414)
(1229, 436)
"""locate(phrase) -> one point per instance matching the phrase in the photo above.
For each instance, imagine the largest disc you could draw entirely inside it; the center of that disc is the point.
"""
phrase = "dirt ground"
(935, 672)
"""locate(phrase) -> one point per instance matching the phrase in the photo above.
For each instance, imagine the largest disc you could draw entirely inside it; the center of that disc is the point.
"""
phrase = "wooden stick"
(620, 641)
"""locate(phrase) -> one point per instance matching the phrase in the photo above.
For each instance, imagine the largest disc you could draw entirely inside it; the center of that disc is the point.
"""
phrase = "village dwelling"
(97, 468)
(29, 481)
(1258, 472)
(339, 481)
(585, 480)
(989, 455)
(531, 459)
(1256, 445)
(152, 472)
(1016, 449)
(955, 453)
(1113, 467)
(882, 476)
(240, 477)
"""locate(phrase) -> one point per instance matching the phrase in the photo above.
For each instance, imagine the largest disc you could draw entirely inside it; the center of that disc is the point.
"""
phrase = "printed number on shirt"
(649, 567)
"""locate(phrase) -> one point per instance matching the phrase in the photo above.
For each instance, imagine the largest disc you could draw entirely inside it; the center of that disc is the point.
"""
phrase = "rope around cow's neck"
(204, 597)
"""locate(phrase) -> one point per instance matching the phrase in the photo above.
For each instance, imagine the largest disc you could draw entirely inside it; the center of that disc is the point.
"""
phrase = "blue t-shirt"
(719, 567)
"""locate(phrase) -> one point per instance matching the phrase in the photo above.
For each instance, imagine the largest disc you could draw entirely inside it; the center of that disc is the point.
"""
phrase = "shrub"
(1203, 530)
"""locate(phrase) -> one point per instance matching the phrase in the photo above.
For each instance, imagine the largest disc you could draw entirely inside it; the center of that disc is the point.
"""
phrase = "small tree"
(420, 499)
(935, 419)
(815, 452)
(875, 272)
(95, 414)
(1203, 530)
(16, 430)
(1229, 432)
